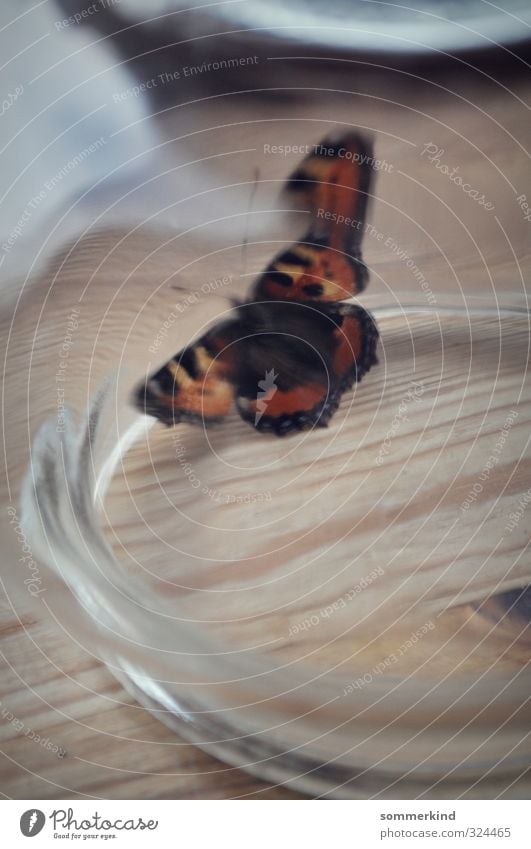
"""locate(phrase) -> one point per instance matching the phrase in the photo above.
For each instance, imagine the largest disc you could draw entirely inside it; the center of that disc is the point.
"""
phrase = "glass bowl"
(338, 611)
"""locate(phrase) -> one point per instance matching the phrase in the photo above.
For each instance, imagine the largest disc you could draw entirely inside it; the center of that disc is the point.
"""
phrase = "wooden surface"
(52, 687)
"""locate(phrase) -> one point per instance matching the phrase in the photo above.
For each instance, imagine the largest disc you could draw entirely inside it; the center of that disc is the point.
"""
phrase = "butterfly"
(285, 356)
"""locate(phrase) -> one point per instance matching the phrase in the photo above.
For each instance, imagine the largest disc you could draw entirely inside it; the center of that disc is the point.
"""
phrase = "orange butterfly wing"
(326, 264)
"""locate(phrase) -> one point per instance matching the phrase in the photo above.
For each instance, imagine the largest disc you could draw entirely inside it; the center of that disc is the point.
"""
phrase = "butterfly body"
(286, 356)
